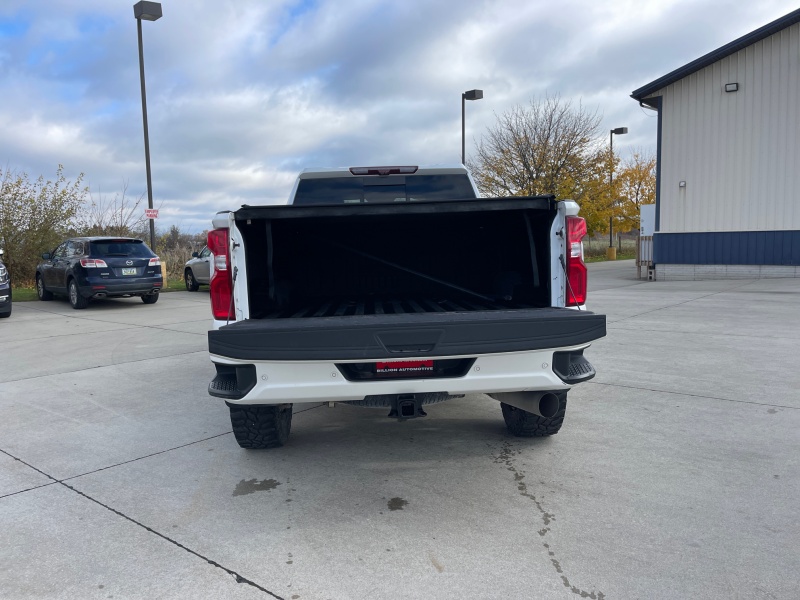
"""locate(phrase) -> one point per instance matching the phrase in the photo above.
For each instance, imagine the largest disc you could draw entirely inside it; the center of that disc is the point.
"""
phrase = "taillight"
(577, 275)
(93, 263)
(155, 262)
(221, 283)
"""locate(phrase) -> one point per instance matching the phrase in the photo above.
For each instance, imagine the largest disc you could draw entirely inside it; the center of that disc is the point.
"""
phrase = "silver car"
(198, 269)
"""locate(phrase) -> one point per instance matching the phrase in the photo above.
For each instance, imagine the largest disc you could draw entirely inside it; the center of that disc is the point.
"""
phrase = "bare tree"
(544, 148)
(117, 216)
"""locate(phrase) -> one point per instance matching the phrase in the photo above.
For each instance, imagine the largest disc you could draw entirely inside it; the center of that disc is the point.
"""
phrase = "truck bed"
(401, 258)
(393, 306)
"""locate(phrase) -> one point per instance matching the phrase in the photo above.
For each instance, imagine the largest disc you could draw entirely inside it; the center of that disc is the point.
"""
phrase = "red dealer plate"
(404, 366)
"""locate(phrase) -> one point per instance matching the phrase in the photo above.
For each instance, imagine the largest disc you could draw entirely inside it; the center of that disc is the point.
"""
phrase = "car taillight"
(155, 262)
(221, 283)
(93, 263)
(577, 275)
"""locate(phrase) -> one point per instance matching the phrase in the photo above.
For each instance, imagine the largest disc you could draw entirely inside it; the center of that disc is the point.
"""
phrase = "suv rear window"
(376, 190)
(134, 248)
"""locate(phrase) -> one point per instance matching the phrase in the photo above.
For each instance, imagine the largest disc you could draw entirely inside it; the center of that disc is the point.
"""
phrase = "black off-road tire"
(191, 282)
(41, 291)
(150, 298)
(522, 423)
(77, 301)
(257, 427)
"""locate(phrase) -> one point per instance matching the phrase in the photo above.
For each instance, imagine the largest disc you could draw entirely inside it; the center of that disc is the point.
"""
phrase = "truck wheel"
(77, 301)
(261, 426)
(522, 423)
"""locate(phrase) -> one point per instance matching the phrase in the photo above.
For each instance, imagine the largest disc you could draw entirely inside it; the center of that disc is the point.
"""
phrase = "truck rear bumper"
(279, 382)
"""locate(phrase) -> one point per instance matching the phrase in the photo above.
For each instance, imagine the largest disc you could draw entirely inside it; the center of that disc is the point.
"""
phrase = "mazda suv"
(90, 268)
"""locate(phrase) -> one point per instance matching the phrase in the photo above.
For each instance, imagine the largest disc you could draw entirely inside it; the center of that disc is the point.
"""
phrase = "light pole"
(618, 131)
(149, 11)
(470, 95)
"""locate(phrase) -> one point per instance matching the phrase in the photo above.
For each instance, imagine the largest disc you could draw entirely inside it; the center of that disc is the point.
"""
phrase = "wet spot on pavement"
(397, 504)
(251, 486)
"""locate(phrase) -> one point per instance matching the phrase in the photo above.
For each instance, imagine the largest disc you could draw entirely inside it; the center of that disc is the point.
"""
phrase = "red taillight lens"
(221, 283)
(93, 263)
(155, 262)
(577, 275)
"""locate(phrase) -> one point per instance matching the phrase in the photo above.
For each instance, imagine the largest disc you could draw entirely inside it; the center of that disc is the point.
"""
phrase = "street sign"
(151, 213)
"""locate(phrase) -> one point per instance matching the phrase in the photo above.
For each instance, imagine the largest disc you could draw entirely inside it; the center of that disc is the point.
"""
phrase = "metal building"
(728, 177)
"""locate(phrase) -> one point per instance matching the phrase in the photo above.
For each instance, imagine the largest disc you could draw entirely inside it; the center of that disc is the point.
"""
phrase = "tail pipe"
(543, 404)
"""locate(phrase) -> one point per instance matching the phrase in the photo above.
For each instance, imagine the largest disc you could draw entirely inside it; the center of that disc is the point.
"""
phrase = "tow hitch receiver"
(407, 406)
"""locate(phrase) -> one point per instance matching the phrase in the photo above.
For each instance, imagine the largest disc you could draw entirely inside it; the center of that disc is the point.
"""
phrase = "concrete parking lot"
(676, 474)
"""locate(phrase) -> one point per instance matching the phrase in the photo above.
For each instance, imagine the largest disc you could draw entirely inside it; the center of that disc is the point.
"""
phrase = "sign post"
(151, 213)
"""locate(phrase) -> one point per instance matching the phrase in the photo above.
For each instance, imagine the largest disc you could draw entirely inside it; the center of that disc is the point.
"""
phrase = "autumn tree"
(634, 186)
(34, 217)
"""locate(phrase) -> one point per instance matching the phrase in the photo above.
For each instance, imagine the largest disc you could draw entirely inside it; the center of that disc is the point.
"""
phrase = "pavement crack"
(646, 389)
(647, 312)
(125, 462)
(115, 364)
(30, 489)
(506, 457)
(236, 576)
(162, 327)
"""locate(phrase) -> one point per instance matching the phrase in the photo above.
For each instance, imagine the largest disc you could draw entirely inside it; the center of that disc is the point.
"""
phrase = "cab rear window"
(381, 190)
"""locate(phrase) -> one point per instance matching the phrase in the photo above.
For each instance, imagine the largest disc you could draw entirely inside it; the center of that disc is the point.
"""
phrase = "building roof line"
(718, 54)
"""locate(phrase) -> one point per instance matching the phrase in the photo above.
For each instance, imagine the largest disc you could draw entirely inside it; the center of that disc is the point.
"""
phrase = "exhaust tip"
(548, 405)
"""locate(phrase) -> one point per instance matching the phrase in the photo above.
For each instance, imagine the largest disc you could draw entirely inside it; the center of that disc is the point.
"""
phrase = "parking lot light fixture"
(148, 11)
(470, 95)
(617, 131)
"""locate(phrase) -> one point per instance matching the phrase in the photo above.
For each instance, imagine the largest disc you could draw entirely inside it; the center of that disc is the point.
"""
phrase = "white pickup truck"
(395, 288)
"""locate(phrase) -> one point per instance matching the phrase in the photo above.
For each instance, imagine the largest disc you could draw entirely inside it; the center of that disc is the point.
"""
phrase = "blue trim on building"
(727, 248)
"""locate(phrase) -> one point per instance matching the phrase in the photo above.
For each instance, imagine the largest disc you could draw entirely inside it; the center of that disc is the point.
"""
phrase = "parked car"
(198, 269)
(87, 268)
(5, 290)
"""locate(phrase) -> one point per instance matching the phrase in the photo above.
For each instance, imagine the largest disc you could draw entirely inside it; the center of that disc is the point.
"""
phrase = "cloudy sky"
(242, 94)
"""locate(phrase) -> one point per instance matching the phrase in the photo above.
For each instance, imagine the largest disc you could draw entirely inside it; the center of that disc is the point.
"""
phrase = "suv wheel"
(43, 294)
(191, 282)
(522, 423)
(77, 301)
(257, 427)
(150, 298)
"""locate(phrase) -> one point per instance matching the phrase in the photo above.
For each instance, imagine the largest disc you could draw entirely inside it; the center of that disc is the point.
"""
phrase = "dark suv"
(99, 267)
(5, 290)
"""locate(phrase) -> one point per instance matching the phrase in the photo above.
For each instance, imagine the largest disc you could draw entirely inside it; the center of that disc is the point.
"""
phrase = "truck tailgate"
(358, 337)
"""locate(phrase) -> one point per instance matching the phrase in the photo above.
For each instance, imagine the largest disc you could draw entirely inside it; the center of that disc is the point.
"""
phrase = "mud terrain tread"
(257, 427)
